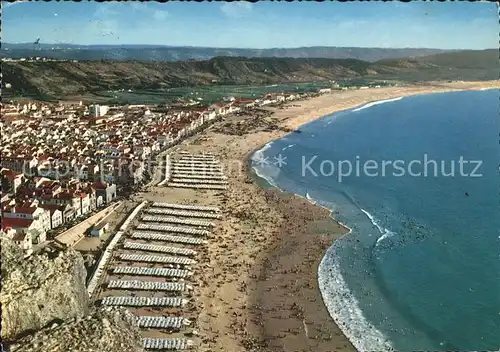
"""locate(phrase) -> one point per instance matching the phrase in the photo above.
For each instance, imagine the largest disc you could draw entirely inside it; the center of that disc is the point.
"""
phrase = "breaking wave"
(344, 307)
(288, 147)
(262, 169)
(341, 304)
(369, 105)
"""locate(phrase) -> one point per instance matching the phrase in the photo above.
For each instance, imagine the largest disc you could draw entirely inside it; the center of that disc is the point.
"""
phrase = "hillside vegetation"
(59, 79)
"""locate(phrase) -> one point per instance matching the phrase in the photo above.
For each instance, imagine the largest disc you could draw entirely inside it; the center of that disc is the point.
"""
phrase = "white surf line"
(168, 228)
(184, 213)
(378, 102)
(155, 236)
(168, 322)
(148, 285)
(174, 220)
(134, 301)
(167, 344)
(155, 272)
(158, 248)
(157, 259)
(96, 276)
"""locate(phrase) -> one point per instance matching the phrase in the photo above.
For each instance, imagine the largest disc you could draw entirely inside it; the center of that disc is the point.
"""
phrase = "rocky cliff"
(106, 330)
(40, 289)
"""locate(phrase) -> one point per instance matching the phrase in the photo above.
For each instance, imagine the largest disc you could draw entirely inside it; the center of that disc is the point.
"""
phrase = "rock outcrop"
(40, 289)
(106, 330)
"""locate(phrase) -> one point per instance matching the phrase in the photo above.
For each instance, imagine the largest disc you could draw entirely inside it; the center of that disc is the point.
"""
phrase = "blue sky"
(449, 25)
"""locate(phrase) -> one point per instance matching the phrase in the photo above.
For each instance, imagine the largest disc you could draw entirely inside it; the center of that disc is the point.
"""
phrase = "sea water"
(420, 269)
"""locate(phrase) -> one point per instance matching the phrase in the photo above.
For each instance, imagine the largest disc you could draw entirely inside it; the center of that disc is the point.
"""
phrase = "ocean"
(417, 181)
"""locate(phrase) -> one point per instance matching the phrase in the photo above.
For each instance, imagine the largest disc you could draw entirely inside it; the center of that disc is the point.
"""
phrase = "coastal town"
(63, 162)
(165, 231)
(71, 173)
(205, 177)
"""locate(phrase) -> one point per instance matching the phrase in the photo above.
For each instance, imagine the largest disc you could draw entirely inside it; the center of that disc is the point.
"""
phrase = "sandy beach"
(256, 285)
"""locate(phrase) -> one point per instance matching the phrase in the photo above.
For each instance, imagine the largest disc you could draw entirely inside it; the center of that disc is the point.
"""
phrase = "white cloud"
(6, 4)
(144, 9)
(160, 15)
(139, 6)
(351, 24)
(236, 9)
(107, 9)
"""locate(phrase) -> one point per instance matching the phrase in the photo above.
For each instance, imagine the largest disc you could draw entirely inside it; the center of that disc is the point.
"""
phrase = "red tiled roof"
(51, 207)
(24, 210)
(16, 223)
(99, 185)
(244, 101)
(64, 196)
(11, 175)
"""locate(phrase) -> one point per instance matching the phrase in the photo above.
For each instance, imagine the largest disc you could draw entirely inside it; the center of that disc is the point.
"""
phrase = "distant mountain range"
(176, 53)
(59, 79)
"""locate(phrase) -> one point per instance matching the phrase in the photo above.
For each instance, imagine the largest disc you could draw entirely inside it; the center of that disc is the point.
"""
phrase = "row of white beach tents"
(185, 213)
(168, 228)
(157, 259)
(167, 344)
(174, 220)
(155, 236)
(168, 322)
(157, 248)
(134, 301)
(149, 285)
(146, 271)
(185, 206)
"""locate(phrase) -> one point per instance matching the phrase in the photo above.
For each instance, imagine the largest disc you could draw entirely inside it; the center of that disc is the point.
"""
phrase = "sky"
(444, 25)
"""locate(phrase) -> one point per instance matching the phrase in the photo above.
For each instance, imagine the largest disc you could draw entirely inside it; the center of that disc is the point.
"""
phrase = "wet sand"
(256, 282)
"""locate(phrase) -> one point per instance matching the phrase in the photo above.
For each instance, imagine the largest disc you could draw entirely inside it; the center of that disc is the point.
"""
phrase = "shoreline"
(259, 286)
(257, 179)
(345, 227)
(318, 244)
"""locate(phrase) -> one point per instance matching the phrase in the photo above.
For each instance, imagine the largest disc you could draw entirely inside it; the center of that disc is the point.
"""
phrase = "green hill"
(59, 79)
